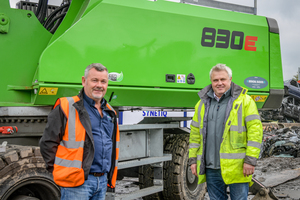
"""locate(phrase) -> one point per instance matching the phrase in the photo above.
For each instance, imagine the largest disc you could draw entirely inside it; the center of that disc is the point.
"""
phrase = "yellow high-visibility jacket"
(241, 139)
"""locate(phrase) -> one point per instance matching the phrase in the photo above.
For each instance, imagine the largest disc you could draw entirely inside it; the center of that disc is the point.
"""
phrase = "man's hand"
(194, 169)
(248, 170)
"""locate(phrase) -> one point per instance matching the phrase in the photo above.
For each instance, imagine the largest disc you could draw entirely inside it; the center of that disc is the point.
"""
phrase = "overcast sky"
(287, 14)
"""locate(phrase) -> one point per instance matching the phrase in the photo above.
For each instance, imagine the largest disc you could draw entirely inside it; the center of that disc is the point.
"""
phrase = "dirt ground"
(282, 174)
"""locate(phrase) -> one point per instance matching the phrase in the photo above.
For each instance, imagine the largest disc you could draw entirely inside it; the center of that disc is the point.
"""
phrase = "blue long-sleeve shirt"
(102, 129)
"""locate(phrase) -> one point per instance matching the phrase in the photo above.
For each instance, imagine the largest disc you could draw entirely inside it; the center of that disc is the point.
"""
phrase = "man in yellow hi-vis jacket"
(226, 135)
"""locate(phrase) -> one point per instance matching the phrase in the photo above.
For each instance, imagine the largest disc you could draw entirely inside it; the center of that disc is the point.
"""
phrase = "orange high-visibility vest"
(68, 170)
(112, 183)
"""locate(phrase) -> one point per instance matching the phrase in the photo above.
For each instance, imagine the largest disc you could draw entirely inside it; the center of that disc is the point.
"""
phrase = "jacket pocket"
(238, 140)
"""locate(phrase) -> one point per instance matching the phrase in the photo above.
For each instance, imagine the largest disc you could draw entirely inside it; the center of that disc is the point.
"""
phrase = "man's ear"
(83, 81)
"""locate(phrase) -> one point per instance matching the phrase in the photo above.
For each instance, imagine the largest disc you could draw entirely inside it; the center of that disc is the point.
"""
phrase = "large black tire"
(23, 175)
(179, 182)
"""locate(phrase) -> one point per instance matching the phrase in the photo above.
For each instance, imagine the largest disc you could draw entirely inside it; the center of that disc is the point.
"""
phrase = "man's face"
(95, 85)
(220, 82)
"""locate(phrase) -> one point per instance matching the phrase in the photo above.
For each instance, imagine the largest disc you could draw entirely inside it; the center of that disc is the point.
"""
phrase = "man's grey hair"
(98, 66)
(221, 67)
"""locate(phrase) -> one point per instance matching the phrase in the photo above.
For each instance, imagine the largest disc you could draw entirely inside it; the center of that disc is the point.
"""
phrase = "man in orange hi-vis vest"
(80, 141)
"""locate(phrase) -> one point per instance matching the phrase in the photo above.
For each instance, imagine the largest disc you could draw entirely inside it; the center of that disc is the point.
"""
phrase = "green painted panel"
(118, 96)
(168, 98)
(44, 96)
(20, 50)
(276, 76)
(129, 96)
(146, 40)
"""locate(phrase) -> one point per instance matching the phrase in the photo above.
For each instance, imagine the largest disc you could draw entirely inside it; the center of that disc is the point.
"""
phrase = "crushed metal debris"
(281, 142)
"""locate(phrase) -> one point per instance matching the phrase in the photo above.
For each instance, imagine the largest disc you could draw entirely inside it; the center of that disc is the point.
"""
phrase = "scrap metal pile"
(280, 142)
(289, 111)
(272, 115)
(283, 137)
(290, 114)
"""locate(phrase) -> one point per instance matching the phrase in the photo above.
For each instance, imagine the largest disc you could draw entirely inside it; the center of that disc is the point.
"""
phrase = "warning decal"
(259, 98)
(48, 91)
(180, 78)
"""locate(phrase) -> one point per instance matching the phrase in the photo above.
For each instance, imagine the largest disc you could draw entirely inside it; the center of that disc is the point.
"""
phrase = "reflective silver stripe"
(199, 112)
(232, 155)
(67, 163)
(236, 128)
(199, 116)
(251, 117)
(240, 118)
(236, 106)
(194, 145)
(71, 120)
(254, 144)
(199, 157)
(117, 146)
(195, 124)
(72, 144)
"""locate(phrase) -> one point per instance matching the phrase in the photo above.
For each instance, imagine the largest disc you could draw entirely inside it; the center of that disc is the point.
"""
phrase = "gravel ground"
(274, 171)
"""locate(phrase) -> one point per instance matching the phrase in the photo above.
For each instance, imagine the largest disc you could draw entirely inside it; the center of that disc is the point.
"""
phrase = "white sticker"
(180, 78)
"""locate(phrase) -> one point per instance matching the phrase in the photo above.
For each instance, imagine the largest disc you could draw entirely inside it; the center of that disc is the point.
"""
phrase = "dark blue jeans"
(93, 189)
(217, 188)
